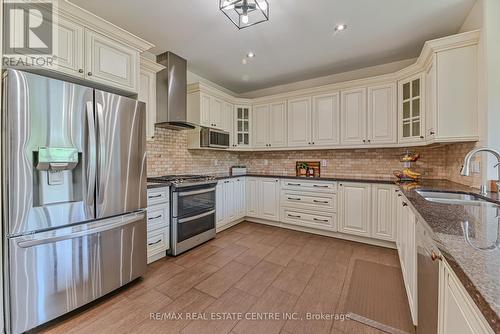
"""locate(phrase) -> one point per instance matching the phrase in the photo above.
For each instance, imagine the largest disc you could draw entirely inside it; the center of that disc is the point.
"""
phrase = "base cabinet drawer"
(158, 242)
(310, 200)
(308, 185)
(320, 221)
(158, 217)
(158, 195)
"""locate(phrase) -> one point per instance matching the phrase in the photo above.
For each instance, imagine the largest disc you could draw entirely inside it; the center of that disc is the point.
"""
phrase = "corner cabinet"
(242, 127)
(147, 92)
(411, 109)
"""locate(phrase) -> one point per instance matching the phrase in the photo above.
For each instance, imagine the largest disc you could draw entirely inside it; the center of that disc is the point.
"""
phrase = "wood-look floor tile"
(273, 239)
(223, 279)
(272, 301)
(252, 239)
(232, 302)
(254, 254)
(256, 281)
(320, 296)
(282, 254)
(191, 302)
(226, 255)
(226, 238)
(187, 279)
(128, 314)
(311, 253)
(196, 255)
(294, 278)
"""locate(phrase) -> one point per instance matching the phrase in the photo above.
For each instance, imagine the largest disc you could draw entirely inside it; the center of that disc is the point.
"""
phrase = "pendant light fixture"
(245, 13)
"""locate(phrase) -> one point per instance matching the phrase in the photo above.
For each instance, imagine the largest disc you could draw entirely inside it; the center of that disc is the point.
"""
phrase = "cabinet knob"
(80, 70)
(313, 143)
(364, 140)
(309, 143)
(369, 140)
(421, 137)
(405, 204)
(89, 74)
(432, 133)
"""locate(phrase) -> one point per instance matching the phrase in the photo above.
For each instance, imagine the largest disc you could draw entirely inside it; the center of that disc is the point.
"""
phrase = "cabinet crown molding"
(91, 21)
(151, 65)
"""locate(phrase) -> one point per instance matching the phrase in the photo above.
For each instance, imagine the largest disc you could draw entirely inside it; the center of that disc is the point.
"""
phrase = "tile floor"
(249, 269)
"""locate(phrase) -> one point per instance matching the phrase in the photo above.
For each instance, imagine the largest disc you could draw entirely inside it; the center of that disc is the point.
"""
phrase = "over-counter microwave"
(214, 138)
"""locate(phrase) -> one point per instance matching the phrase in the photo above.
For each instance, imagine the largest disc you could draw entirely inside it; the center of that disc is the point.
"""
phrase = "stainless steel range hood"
(171, 93)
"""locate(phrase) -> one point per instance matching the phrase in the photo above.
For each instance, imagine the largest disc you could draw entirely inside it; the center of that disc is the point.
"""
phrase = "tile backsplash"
(168, 154)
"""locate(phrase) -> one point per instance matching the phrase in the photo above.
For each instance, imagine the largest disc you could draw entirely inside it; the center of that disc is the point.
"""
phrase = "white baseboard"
(231, 224)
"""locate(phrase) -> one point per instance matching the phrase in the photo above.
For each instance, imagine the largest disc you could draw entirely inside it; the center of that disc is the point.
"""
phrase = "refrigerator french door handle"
(92, 155)
(26, 243)
(102, 148)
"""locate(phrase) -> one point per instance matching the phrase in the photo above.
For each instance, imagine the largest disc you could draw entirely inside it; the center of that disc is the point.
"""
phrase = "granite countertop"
(477, 269)
(369, 179)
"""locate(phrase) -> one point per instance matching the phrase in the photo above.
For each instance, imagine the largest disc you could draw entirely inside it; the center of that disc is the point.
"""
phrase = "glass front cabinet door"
(411, 109)
(242, 127)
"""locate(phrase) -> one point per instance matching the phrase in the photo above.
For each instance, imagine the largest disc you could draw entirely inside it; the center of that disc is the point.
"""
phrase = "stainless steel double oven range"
(192, 210)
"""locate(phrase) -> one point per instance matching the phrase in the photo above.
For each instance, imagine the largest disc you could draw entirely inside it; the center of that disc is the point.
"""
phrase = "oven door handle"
(185, 220)
(195, 192)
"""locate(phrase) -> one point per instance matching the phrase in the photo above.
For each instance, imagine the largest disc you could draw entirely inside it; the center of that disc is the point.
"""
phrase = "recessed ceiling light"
(250, 54)
(340, 27)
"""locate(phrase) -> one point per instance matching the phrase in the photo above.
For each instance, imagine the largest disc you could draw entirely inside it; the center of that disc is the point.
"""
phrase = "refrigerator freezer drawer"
(54, 272)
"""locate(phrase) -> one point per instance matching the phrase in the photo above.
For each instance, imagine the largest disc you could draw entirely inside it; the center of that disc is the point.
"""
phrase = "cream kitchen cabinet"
(383, 223)
(110, 62)
(69, 53)
(158, 223)
(382, 114)
(230, 201)
(458, 313)
(353, 116)
(210, 111)
(252, 196)
(228, 118)
(263, 198)
(411, 109)
(147, 92)
(407, 250)
(451, 95)
(354, 208)
(299, 122)
(269, 125)
(326, 120)
(242, 126)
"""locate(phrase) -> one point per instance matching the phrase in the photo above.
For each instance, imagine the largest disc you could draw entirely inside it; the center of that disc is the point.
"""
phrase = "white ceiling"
(297, 43)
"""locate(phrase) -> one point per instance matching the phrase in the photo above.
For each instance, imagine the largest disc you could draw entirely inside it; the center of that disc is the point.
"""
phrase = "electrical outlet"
(266, 162)
(324, 163)
(476, 167)
(216, 162)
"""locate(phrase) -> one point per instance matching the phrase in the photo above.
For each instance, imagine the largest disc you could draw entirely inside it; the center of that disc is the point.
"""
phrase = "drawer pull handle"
(322, 202)
(319, 186)
(405, 204)
(321, 220)
(154, 243)
(294, 184)
(293, 216)
(155, 196)
(294, 199)
(156, 217)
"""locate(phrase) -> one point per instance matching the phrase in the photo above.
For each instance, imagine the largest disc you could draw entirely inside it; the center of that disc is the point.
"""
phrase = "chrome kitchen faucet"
(468, 158)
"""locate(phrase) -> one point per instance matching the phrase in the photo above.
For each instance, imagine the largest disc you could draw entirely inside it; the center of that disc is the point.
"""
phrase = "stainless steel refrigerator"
(74, 196)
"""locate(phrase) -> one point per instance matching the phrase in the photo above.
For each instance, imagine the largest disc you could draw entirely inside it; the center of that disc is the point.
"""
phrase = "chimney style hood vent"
(171, 93)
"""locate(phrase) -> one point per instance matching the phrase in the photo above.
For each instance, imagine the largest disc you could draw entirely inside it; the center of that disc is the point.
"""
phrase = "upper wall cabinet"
(326, 120)
(209, 111)
(451, 95)
(411, 109)
(108, 61)
(69, 53)
(353, 116)
(147, 92)
(299, 122)
(242, 126)
(269, 125)
(382, 114)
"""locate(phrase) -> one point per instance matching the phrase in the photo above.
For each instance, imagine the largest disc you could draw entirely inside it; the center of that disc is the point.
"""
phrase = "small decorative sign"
(308, 168)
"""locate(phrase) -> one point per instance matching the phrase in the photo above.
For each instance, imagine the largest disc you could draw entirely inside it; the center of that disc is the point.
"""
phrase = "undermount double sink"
(453, 198)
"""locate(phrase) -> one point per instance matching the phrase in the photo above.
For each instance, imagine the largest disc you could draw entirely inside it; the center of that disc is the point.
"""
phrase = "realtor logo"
(28, 28)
